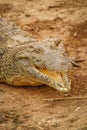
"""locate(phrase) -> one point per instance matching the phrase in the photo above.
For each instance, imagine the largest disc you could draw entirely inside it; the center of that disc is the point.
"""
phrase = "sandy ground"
(23, 108)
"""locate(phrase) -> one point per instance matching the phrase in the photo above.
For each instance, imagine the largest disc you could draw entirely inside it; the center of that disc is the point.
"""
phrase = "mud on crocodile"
(25, 61)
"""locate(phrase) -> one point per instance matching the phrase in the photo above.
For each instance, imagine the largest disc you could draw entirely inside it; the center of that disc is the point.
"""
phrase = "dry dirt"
(22, 108)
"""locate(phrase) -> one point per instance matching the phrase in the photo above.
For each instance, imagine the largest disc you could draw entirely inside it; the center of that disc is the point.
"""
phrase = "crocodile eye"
(57, 42)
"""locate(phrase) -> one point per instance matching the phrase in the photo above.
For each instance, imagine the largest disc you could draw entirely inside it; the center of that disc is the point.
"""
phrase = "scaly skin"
(25, 61)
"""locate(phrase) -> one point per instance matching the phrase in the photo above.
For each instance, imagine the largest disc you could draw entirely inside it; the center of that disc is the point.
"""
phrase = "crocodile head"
(48, 63)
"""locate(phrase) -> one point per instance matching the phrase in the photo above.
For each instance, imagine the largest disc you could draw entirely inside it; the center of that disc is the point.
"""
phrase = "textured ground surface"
(22, 108)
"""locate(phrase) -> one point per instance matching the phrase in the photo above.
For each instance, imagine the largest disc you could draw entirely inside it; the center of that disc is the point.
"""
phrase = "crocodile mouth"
(57, 80)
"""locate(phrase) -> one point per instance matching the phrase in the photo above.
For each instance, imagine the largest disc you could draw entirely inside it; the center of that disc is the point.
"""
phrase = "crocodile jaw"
(57, 80)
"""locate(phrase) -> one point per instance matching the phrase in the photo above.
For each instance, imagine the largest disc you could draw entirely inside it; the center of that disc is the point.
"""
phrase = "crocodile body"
(25, 61)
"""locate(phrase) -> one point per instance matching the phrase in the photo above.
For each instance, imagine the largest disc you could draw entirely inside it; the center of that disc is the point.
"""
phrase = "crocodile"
(27, 61)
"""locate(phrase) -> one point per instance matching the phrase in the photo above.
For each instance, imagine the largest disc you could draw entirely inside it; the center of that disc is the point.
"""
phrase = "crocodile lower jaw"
(57, 80)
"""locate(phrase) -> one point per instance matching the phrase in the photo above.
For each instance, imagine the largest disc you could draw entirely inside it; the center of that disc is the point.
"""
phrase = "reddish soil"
(23, 108)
